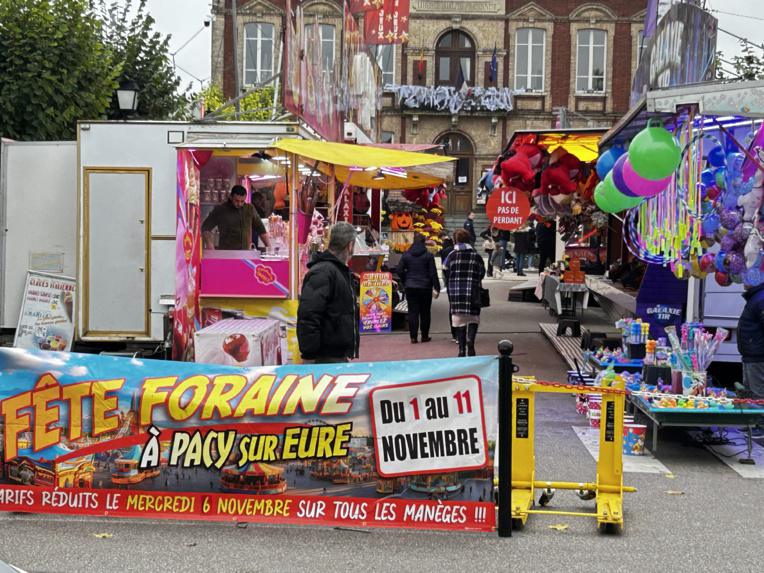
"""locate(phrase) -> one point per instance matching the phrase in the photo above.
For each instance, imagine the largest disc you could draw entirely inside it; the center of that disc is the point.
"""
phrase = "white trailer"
(127, 217)
(38, 216)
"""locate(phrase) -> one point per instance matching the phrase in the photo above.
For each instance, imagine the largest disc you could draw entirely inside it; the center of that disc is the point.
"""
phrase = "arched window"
(258, 52)
(455, 60)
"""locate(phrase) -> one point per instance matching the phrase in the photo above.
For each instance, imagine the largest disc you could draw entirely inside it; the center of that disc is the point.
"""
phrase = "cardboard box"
(233, 342)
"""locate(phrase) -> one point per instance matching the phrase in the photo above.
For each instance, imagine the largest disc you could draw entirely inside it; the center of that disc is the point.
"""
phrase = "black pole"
(505, 438)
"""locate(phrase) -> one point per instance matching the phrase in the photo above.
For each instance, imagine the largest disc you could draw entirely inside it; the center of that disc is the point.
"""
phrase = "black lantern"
(127, 97)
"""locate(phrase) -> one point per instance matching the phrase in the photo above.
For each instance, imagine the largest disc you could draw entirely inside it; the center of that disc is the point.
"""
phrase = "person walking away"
(469, 226)
(545, 239)
(238, 223)
(328, 313)
(448, 247)
(420, 279)
(522, 248)
(489, 246)
(502, 249)
(465, 274)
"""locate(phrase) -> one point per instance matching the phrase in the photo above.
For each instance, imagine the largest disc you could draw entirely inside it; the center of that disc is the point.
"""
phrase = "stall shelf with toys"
(667, 380)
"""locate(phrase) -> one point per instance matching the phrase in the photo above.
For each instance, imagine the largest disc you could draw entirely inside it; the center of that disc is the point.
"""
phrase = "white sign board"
(46, 321)
(429, 427)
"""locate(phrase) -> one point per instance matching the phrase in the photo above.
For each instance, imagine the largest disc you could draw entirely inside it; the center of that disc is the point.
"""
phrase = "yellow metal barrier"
(608, 489)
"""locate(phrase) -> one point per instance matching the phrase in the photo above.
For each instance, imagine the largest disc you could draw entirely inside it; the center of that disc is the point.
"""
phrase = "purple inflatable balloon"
(737, 263)
(728, 243)
(730, 219)
(618, 179)
(640, 186)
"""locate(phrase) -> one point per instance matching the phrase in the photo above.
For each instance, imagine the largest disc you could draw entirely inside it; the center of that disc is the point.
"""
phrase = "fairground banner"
(388, 444)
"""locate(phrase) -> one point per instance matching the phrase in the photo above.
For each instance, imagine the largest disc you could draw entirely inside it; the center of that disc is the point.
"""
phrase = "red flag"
(357, 6)
(389, 23)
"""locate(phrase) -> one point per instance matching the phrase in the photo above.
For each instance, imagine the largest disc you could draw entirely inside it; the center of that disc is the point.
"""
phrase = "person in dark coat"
(546, 231)
(328, 313)
(750, 340)
(465, 274)
(522, 250)
(448, 247)
(469, 226)
(420, 278)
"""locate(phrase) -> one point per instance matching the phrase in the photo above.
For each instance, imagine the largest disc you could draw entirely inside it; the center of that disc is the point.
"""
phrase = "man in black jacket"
(750, 340)
(328, 314)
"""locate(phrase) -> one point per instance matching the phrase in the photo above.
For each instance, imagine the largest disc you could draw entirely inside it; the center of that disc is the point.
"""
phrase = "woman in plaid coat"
(466, 270)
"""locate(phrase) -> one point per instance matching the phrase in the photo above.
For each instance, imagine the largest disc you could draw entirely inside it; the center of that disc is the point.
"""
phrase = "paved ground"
(715, 525)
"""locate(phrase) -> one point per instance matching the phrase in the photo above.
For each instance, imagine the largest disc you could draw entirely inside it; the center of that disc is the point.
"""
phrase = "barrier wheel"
(609, 528)
(517, 524)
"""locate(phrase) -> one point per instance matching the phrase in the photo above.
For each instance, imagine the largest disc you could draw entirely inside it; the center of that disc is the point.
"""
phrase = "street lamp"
(127, 97)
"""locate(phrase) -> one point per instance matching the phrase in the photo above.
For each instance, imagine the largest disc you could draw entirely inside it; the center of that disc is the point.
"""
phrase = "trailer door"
(116, 259)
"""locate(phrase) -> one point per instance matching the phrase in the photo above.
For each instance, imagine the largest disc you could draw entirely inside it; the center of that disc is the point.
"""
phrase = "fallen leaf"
(103, 535)
(559, 526)
(669, 476)
(674, 492)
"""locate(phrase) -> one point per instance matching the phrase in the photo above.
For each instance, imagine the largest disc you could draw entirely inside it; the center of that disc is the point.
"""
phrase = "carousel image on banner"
(386, 444)
(46, 319)
(376, 302)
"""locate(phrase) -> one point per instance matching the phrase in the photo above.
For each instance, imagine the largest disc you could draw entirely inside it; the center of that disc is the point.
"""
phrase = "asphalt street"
(713, 519)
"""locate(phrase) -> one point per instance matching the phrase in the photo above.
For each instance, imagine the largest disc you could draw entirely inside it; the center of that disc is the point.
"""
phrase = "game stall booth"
(686, 168)
(556, 170)
(239, 307)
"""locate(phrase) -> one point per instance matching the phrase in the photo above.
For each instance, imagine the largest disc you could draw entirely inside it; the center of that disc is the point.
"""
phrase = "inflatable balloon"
(639, 185)
(711, 224)
(721, 262)
(716, 156)
(736, 262)
(708, 177)
(730, 219)
(712, 192)
(654, 153)
(723, 279)
(728, 243)
(707, 262)
(618, 179)
(720, 176)
(607, 160)
(610, 200)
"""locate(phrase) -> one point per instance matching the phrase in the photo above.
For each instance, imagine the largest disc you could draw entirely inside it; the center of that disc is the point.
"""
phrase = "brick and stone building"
(564, 60)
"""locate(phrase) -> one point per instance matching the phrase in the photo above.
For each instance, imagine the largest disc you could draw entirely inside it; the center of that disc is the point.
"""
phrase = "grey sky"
(183, 18)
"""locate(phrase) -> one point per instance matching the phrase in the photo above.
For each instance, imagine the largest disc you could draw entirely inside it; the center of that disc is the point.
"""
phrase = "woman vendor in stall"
(237, 221)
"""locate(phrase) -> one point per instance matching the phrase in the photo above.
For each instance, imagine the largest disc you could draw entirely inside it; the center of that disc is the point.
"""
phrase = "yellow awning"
(351, 155)
(351, 162)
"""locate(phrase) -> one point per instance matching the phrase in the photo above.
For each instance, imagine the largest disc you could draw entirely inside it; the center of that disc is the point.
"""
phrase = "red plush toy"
(515, 169)
(532, 152)
(556, 180)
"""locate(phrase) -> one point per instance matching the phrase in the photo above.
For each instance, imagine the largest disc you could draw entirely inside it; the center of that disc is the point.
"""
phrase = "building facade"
(566, 62)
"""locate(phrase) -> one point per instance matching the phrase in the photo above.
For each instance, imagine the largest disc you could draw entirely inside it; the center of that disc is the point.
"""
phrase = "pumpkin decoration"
(401, 221)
